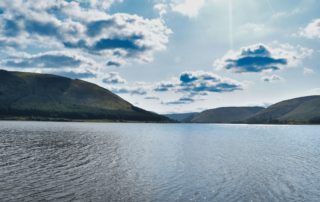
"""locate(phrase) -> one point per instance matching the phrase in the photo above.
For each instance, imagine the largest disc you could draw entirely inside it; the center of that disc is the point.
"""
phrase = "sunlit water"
(42, 161)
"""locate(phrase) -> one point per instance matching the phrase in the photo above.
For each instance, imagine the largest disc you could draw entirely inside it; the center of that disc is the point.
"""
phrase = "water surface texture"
(42, 161)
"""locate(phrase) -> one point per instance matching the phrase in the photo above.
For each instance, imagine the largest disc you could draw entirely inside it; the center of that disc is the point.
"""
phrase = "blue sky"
(170, 55)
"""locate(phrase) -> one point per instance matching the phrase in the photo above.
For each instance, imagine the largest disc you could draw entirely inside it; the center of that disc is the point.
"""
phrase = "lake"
(48, 161)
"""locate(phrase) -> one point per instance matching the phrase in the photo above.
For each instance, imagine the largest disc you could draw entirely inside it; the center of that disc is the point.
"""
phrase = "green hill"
(33, 96)
(302, 110)
(226, 115)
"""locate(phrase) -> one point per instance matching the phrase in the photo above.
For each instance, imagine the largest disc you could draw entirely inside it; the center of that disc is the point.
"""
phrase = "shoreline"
(143, 122)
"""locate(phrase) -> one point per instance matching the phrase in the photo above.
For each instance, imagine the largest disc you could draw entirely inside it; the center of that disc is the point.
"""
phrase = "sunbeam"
(231, 41)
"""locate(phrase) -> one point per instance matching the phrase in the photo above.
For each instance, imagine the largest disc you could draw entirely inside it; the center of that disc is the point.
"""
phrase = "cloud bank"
(84, 27)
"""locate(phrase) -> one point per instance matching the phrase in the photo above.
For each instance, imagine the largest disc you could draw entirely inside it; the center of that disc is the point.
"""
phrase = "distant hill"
(303, 110)
(226, 115)
(184, 117)
(33, 96)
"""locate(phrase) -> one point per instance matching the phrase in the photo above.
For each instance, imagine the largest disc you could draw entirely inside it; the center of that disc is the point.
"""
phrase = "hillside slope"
(183, 117)
(44, 96)
(302, 110)
(226, 115)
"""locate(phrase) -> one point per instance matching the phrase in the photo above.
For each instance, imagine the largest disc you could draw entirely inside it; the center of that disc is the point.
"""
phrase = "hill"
(183, 117)
(226, 115)
(303, 110)
(34, 96)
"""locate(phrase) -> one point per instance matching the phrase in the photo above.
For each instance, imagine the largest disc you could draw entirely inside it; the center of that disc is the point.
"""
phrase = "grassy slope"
(226, 115)
(298, 110)
(32, 95)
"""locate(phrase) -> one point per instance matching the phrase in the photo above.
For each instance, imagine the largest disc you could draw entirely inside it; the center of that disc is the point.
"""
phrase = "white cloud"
(113, 78)
(272, 78)
(190, 8)
(260, 58)
(129, 90)
(104, 4)
(312, 30)
(307, 71)
(161, 8)
(199, 83)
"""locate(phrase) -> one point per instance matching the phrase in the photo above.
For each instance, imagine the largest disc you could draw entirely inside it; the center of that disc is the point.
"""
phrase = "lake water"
(43, 161)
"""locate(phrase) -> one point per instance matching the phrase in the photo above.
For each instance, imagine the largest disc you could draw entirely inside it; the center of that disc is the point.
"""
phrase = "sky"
(170, 56)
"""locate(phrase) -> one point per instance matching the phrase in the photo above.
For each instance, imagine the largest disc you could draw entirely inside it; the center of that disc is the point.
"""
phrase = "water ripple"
(154, 162)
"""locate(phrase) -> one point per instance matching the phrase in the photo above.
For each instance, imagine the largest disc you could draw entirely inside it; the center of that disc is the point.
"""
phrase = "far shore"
(140, 122)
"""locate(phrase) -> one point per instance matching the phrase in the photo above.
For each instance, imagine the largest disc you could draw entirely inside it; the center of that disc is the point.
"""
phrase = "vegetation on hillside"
(44, 96)
(303, 110)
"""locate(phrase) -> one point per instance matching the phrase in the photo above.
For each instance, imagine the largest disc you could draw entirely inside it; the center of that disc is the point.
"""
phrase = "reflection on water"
(156, 162)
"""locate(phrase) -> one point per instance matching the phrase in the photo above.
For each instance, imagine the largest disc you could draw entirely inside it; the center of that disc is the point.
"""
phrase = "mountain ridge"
(33, 96)
(301, 110)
